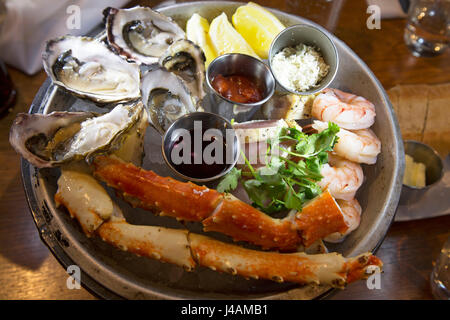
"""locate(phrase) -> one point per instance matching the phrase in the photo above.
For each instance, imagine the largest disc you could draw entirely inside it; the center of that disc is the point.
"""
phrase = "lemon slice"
(197, 29)
(226, 39)
(258, 27)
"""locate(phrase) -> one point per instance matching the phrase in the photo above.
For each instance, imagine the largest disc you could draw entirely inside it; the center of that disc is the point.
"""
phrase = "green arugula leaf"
(229, 181)
(323, 157)
(293, 200)
(266, 191)
(314, 167)
(326, 139)
(284, 183)
(310, 146)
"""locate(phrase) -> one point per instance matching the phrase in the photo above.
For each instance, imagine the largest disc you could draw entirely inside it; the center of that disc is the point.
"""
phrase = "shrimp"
(352, 213)
(347, 110)
(361, 146)
(341, 177)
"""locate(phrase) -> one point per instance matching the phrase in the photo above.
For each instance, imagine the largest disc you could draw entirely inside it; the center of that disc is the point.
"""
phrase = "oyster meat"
(87, 68)
(132, 148)
(59, 137)
(140, 34)
(186, 59)
(165, 96)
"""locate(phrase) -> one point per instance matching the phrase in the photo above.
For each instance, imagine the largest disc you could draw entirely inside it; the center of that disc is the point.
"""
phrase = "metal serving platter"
(111, 273)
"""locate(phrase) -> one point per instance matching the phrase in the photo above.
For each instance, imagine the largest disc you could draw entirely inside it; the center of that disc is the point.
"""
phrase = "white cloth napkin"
(28, 24)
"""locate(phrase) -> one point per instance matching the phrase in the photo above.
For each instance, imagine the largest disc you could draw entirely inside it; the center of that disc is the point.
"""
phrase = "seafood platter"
(313, 165)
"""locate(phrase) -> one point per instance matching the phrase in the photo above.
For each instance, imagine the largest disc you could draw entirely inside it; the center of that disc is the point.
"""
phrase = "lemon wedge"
(258, 27)
(226, 39)
(197, 29)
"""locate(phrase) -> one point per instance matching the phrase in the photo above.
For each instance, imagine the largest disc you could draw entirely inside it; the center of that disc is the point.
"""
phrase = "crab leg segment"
(245, 223)
(84, 198)
(217, 212)
(329, 268)
(319, 217)
(187, 250)
(166, 245)
(147, 190)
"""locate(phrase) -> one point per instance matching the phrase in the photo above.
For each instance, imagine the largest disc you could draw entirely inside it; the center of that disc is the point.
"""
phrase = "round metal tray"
(111, 273)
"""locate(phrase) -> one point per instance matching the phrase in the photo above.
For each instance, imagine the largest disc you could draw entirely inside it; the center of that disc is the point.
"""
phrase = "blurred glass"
(440, 276)
(427, 31)
(7, 91)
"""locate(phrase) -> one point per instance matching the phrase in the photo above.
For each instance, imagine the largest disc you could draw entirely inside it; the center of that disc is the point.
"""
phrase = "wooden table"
(29, 271)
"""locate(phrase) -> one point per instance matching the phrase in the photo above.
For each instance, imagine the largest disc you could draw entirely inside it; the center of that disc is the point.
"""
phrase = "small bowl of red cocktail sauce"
(239, 84)
(201, 146)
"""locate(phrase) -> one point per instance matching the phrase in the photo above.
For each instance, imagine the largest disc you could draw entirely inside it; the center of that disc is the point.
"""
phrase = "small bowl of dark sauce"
(200, 146)
(239, 85)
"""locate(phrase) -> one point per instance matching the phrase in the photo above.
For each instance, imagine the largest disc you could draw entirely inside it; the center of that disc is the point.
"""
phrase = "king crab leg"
(189, 250)
(218, 212)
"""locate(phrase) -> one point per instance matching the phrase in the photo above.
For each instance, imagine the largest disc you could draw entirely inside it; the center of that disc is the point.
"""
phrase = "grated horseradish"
(299, 68)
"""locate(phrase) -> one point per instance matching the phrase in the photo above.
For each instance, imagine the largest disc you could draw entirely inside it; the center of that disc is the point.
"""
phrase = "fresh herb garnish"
(229, 181)
(284, 183)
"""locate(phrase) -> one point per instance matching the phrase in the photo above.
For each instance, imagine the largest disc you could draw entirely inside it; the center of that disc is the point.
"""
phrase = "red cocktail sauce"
(240, 89)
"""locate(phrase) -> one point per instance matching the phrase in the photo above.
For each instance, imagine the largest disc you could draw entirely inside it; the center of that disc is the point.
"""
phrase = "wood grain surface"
(423, 114)
(29, 271)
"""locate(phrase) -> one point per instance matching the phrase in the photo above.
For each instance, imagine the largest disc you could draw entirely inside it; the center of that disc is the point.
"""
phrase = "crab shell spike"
(88, 69)
(167, 245)
(189, 202)
(152, 192)
(186, 249)
(294, 267)
(241, 221)
(360, 267)
(137, 22)
(319, 217)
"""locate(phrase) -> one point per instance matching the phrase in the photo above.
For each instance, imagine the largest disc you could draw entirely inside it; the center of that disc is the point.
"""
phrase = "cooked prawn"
(352, 213)
(347, 110)
(361, 146)
(341, 177)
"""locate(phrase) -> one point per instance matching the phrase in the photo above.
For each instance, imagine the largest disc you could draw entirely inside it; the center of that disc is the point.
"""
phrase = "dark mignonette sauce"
(202, 170)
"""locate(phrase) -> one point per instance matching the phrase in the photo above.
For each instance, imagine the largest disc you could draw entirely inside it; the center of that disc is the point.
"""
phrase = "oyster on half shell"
(140, 34)
(186, 59)
(165, 96)
(87, 68)
(49, 140)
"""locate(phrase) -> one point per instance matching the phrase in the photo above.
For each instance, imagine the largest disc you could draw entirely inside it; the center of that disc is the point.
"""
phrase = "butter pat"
(414, 173)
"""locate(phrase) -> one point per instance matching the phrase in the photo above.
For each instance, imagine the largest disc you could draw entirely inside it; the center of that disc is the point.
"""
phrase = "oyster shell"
(187, 60)
(48, 140)
(87, 68)
(132, 148)
(140, 34)
(165, 96)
